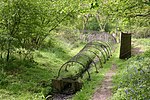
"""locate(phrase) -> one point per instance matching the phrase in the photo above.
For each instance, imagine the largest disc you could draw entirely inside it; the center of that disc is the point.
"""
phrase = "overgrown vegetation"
(132, 79)
(32, 80)
(38, 36)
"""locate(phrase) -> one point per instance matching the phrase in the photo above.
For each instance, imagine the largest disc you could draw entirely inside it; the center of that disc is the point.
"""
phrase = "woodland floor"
(104, 91)
(136, 51)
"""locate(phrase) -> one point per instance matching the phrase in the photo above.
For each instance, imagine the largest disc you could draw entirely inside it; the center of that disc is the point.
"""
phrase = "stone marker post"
(125, 48)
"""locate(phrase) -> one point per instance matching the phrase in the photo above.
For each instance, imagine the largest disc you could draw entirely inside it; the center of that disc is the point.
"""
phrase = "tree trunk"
(8, 51)
(1, 55)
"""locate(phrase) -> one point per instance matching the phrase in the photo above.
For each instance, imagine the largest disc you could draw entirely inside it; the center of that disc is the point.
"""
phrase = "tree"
(26, 23)
(20, 25)
(128, 12)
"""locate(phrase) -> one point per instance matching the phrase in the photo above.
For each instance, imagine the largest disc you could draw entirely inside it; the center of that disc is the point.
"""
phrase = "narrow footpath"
(104, 92)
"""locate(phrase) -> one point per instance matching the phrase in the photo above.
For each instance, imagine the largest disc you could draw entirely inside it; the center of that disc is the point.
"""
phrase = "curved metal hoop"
(107, 45)
(96, 56)
(90, 59)
(104, 56)
(103, 50)
(103, 46)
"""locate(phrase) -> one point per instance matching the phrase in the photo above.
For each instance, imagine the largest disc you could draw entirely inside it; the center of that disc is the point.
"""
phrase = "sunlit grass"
(33, 82)
(143, 43)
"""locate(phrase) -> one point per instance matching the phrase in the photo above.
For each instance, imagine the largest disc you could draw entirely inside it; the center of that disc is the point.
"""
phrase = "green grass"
(32, 81)
(130, 82)
(143, 43)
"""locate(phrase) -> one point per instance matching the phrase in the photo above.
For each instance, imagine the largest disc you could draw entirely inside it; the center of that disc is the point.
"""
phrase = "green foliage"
(20, 26)
(124, 15)
(29, 25)
(69, 34)
(26, 24)
(132, 81)
(92, 24)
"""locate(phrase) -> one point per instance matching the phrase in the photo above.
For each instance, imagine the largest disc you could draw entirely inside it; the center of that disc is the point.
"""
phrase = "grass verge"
(132, 79)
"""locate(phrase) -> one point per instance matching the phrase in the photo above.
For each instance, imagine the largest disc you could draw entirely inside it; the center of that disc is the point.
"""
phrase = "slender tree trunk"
(8, 51)
(1, 51)
(85, 22)
(1, 55)
(98, 20)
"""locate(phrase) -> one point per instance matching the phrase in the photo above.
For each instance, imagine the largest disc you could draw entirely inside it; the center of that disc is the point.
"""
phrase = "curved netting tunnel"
(92, 56)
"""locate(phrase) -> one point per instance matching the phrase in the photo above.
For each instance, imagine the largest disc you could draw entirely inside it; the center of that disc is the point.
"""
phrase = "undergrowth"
(25, 80)
(132, 79)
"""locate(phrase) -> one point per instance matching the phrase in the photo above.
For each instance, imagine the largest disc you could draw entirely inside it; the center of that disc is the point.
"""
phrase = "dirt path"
(104, 92)
(136, 50)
